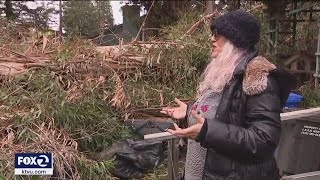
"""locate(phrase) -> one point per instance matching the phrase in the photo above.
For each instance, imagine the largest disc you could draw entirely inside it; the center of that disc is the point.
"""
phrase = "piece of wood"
(143, 23)
(15, 60)
(256, 7)
(300, 113)
(173, 158)
(210, 7)
(304, 176)
(291, 59)
(173, 151)
(194, 26)
(300, 9)
(18, 54)
(163, 136)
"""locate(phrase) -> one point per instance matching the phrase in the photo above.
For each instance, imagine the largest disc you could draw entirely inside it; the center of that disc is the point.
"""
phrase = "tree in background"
(8, 9)
(164, 13)
(105, 16)
(37, 15)
(86, 18)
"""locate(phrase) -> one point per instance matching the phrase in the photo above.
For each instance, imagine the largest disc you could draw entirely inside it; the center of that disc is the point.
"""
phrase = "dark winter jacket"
(245, 132)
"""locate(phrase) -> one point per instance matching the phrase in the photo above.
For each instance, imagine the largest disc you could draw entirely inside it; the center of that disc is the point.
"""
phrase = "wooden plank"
(163, 136)
(173, 158)
(304, 176)
(300, 9)
(300, 113)
(173, 151)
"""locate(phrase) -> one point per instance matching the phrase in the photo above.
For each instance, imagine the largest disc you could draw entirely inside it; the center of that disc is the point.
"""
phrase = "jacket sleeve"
(259, 136)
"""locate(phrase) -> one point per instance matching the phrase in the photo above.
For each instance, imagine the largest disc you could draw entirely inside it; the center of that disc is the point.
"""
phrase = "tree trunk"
(9, 10)
(210, 7)
(60, 18)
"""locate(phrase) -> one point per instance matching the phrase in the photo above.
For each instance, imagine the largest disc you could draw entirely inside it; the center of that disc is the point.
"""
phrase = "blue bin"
(293, 100)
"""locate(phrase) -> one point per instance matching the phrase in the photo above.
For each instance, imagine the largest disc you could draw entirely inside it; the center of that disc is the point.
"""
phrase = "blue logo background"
(43, 160)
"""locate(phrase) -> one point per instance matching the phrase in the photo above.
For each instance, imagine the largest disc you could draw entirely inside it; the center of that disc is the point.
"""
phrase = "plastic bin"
(299, 146)
(293, 100)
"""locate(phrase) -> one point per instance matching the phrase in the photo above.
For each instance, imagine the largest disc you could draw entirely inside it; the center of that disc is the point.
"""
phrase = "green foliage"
(36, 14)
(71, 48)
(96, 170)
(185, 61)
(161, 173)
(311, 96)
(87, 18)
(90, 120)
(39, 97)
(93, 123)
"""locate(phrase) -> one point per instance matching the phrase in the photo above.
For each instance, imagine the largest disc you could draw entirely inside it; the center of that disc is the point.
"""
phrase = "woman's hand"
(176, 112)
(191, 132)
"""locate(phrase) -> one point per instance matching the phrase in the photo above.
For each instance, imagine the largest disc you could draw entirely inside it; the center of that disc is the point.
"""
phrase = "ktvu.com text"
(33, 164)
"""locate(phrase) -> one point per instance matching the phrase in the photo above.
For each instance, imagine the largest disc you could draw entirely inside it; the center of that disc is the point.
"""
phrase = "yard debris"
(70, 97)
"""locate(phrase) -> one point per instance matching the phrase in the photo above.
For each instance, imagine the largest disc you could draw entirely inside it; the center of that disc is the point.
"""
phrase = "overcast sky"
(116, 9)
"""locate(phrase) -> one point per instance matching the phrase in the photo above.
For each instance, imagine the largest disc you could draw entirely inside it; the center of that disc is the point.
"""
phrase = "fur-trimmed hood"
(256, 75)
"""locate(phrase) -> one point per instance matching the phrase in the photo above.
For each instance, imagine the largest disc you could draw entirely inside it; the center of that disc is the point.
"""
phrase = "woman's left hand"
(191, 132)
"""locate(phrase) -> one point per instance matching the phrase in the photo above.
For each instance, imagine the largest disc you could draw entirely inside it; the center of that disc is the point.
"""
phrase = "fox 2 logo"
(33, 160)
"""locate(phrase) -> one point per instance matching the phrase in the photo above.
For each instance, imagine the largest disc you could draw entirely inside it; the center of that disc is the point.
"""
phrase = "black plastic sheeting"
(133, 158)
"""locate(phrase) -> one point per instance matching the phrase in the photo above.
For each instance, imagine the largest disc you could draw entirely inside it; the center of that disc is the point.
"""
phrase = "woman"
(234, 126)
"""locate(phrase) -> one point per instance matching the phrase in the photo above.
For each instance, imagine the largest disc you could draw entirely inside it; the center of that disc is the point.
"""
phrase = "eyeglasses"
(215, 34)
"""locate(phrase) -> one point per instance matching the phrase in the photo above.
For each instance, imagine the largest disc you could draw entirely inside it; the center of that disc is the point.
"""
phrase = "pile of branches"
(70, 97)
